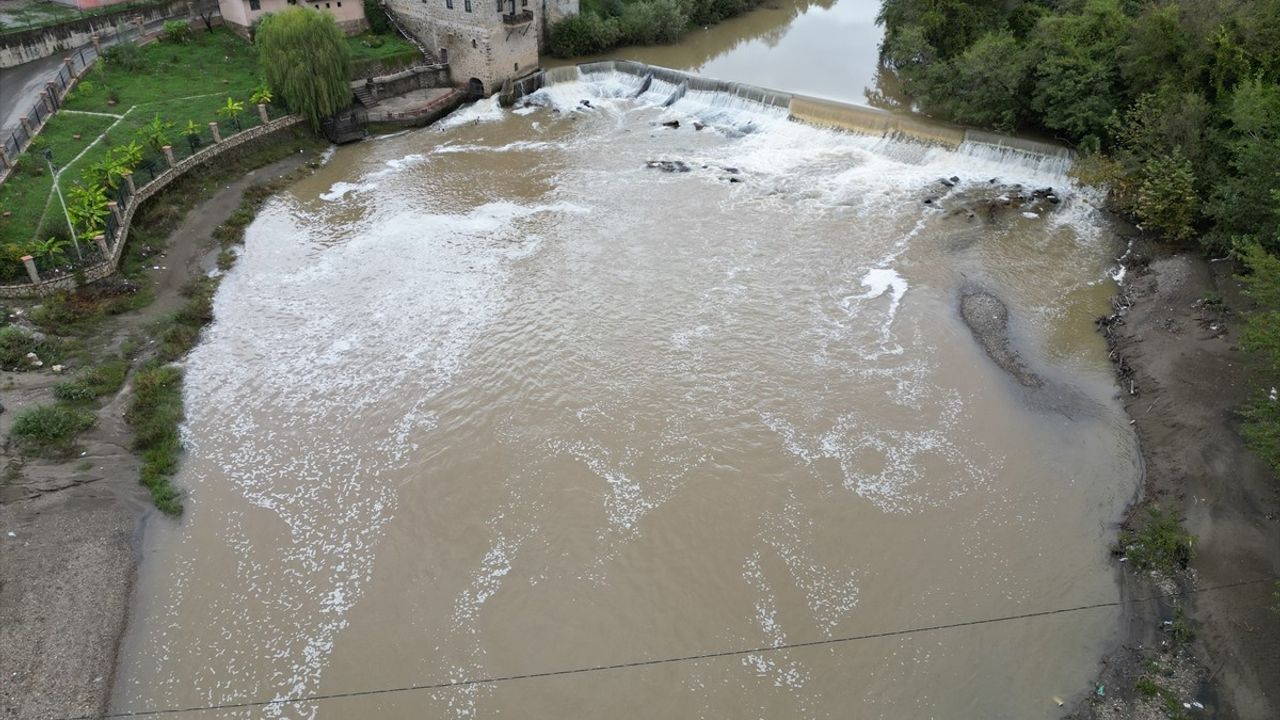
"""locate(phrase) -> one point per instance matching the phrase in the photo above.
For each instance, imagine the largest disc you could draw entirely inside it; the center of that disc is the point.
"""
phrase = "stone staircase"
(365, 96)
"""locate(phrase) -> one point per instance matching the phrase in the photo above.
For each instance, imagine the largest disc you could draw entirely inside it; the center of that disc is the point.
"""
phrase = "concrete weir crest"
(809, 110)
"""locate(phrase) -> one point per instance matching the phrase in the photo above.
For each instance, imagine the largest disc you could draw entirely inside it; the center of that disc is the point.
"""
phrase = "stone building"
(484, 41)
(239, 15)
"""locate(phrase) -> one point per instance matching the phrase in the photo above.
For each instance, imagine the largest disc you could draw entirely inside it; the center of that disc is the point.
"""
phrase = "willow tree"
(306, 62)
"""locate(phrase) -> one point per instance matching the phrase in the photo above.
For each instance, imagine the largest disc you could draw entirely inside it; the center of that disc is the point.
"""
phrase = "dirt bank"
(1183, 375)
(70, 529)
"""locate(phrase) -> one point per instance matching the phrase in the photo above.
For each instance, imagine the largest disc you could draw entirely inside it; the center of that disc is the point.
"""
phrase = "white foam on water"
(339, 190)
(880, 282)
(283, 436)
(479, 112)
(517, 146)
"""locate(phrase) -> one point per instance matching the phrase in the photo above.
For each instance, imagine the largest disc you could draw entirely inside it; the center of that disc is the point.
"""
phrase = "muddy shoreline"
(1174, 340)
(77, 524)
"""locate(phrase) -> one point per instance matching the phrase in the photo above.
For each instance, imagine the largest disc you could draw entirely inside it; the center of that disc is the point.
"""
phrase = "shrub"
(1167, 200)
(155, 414)
(50, 429)
(125, 56)
(583, 34)
(1162, 544)
(177, 31)
(377, 17)
(93, 383)
(15, 343)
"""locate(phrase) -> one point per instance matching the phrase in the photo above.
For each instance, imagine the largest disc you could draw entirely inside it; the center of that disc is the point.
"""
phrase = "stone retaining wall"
(24, 46)
(108, 266)
(406, 80)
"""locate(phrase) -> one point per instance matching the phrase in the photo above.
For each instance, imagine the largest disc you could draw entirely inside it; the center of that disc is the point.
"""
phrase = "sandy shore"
(1183, 375)
(70, 530)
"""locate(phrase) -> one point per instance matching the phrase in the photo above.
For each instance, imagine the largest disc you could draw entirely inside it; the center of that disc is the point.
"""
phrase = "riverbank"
(1176, 342)
(70, 528)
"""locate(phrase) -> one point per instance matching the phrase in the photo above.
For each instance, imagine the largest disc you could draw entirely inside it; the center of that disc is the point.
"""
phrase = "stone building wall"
(472, 38)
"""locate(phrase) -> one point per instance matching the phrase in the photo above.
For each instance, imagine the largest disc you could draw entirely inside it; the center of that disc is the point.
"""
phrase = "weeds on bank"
(93, 383)
(1148, 687)
(16, 345)
(1161, 544)
(155, 414)
(50, 430)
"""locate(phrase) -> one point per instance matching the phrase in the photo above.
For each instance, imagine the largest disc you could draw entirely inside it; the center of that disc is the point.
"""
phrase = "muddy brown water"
(495, 398)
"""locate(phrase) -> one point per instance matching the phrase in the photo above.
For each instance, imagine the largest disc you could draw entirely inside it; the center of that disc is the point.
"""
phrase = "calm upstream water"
(824, 48)
(495, 398)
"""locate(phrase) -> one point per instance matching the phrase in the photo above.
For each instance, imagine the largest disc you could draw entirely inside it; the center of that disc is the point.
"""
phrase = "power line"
(419, 687)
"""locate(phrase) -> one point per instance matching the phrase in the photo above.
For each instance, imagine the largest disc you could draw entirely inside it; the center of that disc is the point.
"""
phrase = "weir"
(819, 112)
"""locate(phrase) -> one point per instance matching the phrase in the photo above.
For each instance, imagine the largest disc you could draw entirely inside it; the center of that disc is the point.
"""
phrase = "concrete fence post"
(30, 262)
(26, 125)
(217, 134)
(128, 182)
(114, 207)
(45, 101)
(168, 155)
(71, 68)
(262, 113)
(4, 157)
(52, 88)
(97, 43)
(101, 241)
(142, 28)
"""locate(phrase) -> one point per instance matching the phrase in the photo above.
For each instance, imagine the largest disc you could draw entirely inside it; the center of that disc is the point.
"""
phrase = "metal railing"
(16, 139)
(153, 165)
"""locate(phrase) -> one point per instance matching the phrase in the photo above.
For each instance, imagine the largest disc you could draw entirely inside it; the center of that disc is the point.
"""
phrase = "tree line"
(1174, 105)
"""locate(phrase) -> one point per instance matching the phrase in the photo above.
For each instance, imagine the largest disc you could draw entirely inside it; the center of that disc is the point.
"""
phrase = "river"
(498, 398)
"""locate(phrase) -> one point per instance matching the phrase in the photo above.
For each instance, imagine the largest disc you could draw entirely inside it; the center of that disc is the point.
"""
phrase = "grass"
(155, 414)
(379, 47)
(179, 333)
(93, 383)
(177, 82)
(15, 343)
(50, 430)
(1161, 544)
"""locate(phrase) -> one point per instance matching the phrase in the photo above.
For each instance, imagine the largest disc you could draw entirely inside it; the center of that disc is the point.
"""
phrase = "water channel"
(498, 397)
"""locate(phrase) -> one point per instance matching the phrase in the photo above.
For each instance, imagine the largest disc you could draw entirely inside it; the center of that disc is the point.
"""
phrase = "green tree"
(984, 85)
(1167, 199)
(156, 133)
(1077, 78)
(87, 206)
(306, 61)
(1245, 204)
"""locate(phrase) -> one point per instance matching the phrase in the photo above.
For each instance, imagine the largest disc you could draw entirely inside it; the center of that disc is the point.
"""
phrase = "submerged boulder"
(668, 165)
(987, 317)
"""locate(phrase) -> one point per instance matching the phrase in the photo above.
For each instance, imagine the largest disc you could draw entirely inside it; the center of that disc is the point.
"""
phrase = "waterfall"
(905, 136)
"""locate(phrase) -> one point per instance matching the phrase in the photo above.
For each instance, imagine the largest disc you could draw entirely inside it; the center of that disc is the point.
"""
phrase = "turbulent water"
(495, 398)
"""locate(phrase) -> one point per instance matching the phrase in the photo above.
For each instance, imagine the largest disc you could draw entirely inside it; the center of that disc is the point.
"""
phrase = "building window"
(255, 4)
(466, 5)
(447, 3)
(524, 3)
(326, 6)
(515, 66)
(500, 5)
(339, 4)
(473, 40)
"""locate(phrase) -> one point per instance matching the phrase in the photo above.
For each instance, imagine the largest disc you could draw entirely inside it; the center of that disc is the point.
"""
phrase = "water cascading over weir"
(904, 128)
